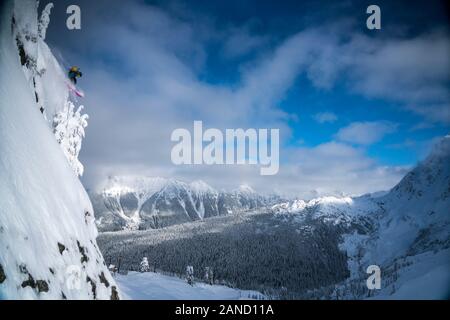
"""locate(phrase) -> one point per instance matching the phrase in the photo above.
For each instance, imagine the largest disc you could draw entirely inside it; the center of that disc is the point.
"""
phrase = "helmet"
(74, 69)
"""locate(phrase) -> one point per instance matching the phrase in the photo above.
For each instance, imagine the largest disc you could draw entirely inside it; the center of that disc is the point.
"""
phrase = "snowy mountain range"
(48, 247)
(406, 231)
(131, 203)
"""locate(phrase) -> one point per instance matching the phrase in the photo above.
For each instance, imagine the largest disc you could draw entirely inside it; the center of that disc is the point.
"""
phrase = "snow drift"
(48, 244)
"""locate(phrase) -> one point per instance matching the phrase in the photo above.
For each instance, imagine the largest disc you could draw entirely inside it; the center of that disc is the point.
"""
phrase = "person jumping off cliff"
(74, 73)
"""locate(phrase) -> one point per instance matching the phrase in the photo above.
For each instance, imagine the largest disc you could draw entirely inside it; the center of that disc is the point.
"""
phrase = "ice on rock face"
(48, 236)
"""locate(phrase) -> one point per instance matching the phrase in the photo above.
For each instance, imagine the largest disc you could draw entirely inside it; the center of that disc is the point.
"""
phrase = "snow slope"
(43, 73)
(47, 80)
(425, 276)
(410, 240)
(154, 286)
(48, 244)
(406, 232)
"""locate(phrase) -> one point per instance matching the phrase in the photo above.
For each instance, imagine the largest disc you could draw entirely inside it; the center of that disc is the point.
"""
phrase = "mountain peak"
(201, 186)
(245, 188)
(441, 148)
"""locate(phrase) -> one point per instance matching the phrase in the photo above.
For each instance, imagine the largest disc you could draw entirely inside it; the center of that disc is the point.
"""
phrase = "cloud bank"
(146, 77)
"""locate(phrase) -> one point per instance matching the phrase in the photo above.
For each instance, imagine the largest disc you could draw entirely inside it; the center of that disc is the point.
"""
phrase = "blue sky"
(356, 108)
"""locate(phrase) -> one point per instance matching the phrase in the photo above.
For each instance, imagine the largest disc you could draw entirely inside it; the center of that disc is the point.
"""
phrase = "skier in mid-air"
(74, 73)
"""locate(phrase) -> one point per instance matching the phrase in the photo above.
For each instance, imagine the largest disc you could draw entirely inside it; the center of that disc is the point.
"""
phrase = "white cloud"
(406, 71)
(240, 41)
(324, 117)
(143, 80)
(365, 133)
(334, 167)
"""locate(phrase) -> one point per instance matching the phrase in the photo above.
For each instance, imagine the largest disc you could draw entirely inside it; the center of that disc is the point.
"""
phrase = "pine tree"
(112, 268)
(144, 266)
(209, 275)
(190, 275)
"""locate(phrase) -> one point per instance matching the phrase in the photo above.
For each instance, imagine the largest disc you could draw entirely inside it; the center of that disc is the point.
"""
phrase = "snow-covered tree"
(44, 20)
(209, 275)
(68, 127)
(144, 266)
(113, 269)
(190, 275)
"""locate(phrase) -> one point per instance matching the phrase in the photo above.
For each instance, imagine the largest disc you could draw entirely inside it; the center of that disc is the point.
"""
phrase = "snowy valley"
(319, 248)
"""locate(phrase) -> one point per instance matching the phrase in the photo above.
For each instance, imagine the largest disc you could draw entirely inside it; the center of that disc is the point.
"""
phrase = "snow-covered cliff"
(48, 236)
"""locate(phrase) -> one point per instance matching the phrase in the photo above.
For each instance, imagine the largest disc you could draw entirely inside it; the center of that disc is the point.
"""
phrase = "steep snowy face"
(430, 179)
(405, 231)
(47, 80)
(119, 203)
(48, 235)
(201, 187)
(43, 73)
(173, 204)
(411, 237)
(145, 202)
(417, 208)
(205, 199)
